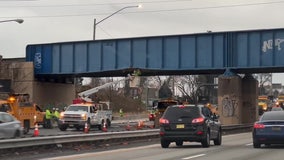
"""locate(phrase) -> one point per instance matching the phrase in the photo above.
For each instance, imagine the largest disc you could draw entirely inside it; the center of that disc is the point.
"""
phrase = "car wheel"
(206, 141)
(179, 143)
(89, 124)
(108, 123)
(165, 144)
(26, 126)
(256, 145)
(17, 134)
(44, 125)
(101, 125)
(62, 127)
(218, 140)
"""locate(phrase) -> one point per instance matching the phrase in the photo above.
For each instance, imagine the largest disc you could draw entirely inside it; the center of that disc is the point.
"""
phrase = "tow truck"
(84, 112)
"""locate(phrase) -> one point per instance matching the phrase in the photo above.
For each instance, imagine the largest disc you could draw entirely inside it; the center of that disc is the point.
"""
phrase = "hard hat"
(57, 109)
(53, 109)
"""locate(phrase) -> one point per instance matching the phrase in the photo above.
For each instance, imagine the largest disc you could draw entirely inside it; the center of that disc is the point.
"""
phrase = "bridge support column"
(249, 98)
(229, 98)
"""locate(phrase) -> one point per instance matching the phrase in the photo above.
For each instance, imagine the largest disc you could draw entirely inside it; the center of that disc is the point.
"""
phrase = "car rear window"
(273, 115)
(173, 113)
(164, 105)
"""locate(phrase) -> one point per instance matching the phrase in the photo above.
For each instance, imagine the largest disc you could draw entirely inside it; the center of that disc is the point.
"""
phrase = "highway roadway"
(116, 126)
(234, 147)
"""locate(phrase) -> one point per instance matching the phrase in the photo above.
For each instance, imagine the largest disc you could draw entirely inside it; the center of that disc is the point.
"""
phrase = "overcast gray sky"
(48, 21)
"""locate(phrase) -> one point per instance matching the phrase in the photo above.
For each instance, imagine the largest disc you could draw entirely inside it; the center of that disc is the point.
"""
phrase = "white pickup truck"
(77, 115)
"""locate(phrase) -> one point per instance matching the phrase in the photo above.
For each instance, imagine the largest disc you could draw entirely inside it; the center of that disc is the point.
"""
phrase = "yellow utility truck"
(25, 111)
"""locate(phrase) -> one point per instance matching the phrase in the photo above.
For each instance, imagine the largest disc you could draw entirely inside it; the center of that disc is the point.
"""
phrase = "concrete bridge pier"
(229, 98)
(237, 98)
(249, 98)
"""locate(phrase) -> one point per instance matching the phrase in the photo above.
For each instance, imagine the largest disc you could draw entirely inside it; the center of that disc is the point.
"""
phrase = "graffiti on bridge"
(229, 105)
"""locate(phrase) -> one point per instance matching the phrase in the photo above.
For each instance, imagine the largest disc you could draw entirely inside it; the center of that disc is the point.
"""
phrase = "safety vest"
(48, 114)
(56, 114)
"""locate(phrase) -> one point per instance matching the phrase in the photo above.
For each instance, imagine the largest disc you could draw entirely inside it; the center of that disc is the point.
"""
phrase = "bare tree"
(264, 80)
(154, 81)
(188, 86)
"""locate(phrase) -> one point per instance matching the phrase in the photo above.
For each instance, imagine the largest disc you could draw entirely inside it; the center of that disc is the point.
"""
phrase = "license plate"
(276, 128)
(180, 126)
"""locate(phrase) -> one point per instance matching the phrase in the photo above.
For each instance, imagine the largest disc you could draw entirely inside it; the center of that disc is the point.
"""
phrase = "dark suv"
(193, 123)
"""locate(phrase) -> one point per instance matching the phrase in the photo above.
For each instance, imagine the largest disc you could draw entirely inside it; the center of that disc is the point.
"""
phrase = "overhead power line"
(91, 4)
(154, 11)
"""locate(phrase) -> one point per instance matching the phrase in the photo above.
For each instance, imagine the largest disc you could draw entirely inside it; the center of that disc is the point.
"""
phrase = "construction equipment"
(262, 104)
(26, 112)
(84, 110)
(161, 106)
(213, 108)
(85, 95)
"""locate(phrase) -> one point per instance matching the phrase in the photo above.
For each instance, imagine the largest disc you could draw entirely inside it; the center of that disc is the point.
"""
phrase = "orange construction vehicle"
(161, 106)
(213, 108)
(262, 104)
(21, 108)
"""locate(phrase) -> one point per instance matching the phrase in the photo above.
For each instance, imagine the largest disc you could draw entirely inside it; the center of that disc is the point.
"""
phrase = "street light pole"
(96, 23)
(13, 20)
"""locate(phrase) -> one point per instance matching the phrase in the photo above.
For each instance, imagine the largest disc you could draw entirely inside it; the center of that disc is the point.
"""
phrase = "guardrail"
(9, 144)
(237, 128)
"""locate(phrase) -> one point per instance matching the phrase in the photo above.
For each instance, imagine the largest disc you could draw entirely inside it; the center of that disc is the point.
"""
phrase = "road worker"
(56, 115)
(48, 117)
(121, 112)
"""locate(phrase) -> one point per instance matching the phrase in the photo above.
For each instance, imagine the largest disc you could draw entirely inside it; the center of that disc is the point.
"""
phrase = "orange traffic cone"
(36, 131)
(86, 129)
(142, 124)
(104, 127)
(127, 126)
(139, 125)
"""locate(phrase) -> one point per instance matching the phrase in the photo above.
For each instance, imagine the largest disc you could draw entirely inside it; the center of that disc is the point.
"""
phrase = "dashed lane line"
(195, 156)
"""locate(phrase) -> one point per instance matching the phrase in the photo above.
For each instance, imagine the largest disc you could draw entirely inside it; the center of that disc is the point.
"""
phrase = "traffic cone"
(142, 124)
(86, 129)
(36, 131)
(127, 126)
(139, 125)
(104, 127)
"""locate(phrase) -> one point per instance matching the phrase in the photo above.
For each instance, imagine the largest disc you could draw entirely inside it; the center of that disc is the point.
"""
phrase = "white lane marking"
(118, 150)
(191, 157)
(76, 156)
(250, 144)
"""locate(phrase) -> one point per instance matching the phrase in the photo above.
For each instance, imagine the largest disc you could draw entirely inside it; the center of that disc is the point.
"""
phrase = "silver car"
(10, 127)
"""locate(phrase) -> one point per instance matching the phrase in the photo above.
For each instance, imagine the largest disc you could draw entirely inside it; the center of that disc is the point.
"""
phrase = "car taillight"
(164, 121)
(258, 126)
(162, 133)
(198, 120)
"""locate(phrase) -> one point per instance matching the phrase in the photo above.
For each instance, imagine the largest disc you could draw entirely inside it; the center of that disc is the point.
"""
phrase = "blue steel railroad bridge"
(226, 53)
